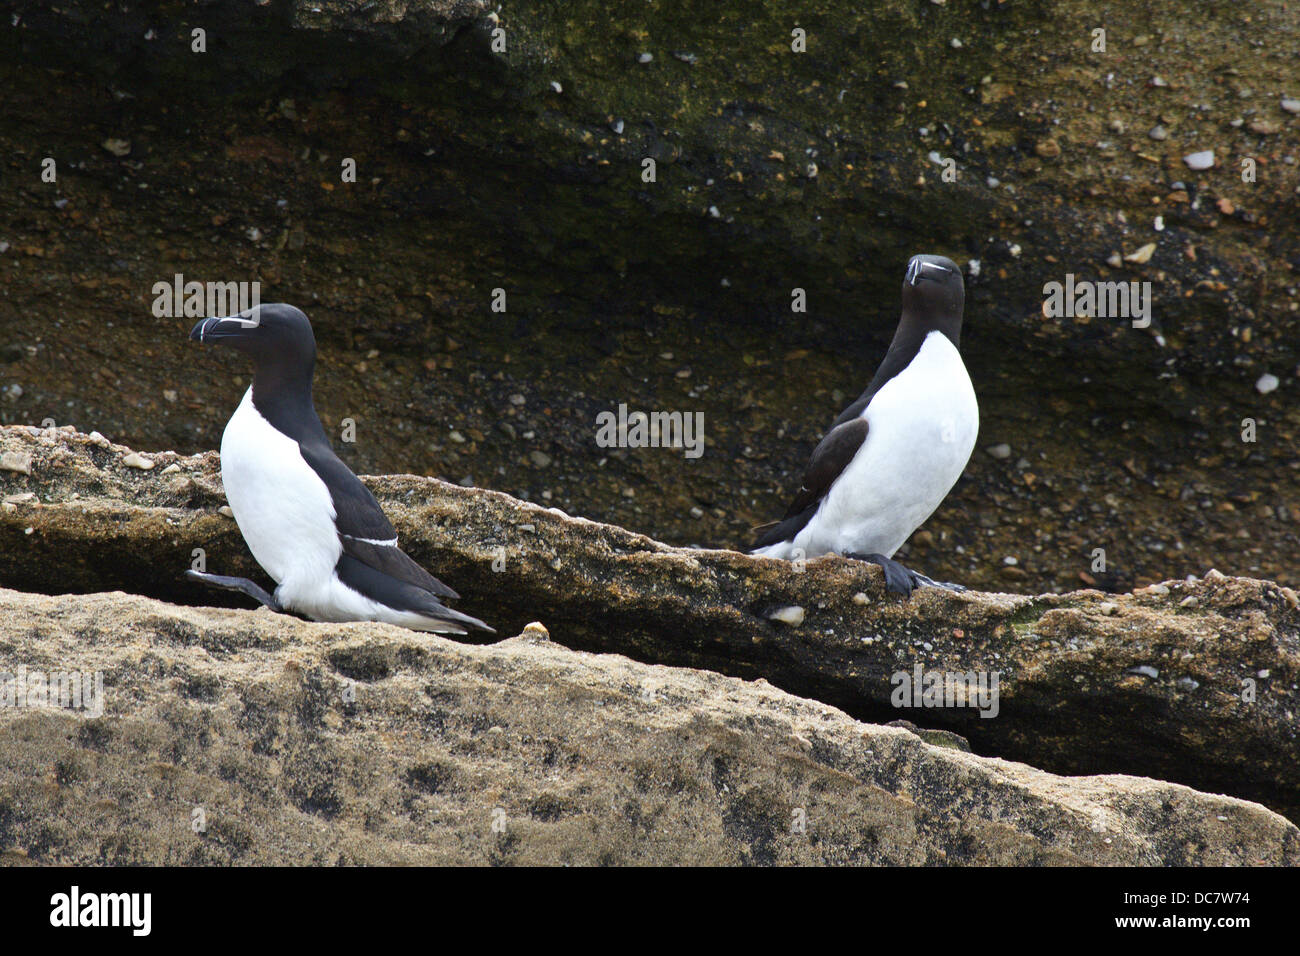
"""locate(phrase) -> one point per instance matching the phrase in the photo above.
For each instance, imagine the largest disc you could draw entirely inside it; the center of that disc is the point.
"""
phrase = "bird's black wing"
(364, 531)
(831, 456)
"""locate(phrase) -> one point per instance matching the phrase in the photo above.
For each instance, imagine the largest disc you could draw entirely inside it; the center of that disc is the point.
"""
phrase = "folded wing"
(831, 456)
(367, 536)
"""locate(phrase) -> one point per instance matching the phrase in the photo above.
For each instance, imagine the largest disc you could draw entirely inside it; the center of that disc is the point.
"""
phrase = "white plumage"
(286, 515)
(923, 425)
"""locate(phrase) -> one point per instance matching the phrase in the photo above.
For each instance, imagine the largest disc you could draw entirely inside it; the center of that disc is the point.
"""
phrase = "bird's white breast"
(924, 422)
(281, 505)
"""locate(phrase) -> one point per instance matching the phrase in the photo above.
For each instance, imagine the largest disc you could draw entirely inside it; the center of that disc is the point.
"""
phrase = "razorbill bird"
(894, 454)
(309, 521)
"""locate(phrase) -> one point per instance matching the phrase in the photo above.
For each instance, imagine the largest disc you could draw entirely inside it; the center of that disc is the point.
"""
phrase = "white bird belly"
(282, 507)
(924, 423)
(286, 516)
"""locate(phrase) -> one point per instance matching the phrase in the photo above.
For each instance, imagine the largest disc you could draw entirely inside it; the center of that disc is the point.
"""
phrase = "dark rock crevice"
(1152, 683)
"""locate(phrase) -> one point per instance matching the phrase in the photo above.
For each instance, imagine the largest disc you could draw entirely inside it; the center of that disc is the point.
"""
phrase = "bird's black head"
(271, 334)
(934, 295)
(279, 339)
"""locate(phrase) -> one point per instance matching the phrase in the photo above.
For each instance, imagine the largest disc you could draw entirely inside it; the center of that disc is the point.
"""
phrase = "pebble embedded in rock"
(540, 459)
(1108, 608)
(792, 615)
(1200, 160)
(536, 632)
(861, 598)
(1267, 383)
(1000, 451)
(1142, 255)
(137, 460)
(16, 461)
(1291, 106)
(1144, 670)
(1158, 133)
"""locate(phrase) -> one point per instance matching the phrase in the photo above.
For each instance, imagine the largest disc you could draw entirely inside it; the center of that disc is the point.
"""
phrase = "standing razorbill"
(309, 521)
(894, 454)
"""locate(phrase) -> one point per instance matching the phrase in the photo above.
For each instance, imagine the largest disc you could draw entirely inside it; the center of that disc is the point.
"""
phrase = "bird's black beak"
(919, 269)
(200, 331)
(224, 327)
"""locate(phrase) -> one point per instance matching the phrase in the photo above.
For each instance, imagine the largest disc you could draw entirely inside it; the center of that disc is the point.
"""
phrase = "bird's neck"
(282, 393)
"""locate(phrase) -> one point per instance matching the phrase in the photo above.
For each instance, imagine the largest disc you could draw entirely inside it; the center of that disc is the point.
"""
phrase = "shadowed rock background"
(521, 170)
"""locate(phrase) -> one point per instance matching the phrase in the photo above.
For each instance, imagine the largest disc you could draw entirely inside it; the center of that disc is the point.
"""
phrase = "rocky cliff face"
(683, 740)
(689, 705)
(519, 167)
(247, 737)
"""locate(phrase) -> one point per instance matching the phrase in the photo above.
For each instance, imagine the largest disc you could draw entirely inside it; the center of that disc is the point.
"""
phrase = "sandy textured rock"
(1153, 683)
(248, 737)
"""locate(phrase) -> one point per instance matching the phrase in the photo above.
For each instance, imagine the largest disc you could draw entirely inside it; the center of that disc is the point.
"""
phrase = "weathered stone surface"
(248, 737)
(1190, 682)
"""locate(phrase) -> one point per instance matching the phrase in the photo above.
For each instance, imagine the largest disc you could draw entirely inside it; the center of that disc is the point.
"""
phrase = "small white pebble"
(136, 460)
(861, 598)
(1267, 383)
(788, 615)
